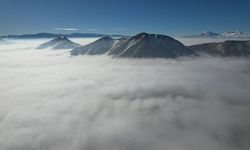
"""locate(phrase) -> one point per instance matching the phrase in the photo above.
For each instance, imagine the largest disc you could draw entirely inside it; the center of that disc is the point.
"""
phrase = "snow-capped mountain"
(209, 34)
(205, 34)
(142, 45)
(235, 34)
(146, 45)
(100, 46)
(61, 42)
(227, 48)
(229, 34)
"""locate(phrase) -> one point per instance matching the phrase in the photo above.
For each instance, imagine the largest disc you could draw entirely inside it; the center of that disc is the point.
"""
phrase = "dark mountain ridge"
(61, 42)
(54, 35)
(142, 45)
(227, 48)
(98, 47)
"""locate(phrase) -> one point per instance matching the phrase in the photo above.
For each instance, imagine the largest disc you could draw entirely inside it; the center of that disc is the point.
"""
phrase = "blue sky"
(171, 17)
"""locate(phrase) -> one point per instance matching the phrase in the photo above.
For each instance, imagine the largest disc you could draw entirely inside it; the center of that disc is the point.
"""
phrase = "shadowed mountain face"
(98, 47)
(146, 45)
(142, 45)
(227, 48)
(61, 42)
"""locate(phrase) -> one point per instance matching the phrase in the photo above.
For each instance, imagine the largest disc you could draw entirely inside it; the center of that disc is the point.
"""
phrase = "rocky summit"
(227, 48)
(142, 45)
(60, 42)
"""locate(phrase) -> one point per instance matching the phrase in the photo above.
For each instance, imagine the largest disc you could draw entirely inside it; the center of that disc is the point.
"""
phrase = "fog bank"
(52, 101)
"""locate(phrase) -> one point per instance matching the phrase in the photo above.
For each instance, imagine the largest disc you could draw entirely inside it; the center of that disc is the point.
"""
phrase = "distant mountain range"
(60, 42)
(100, 46)
(54, 35)
(146, 45)
(231, 34)
(142, 45)
(227, 48)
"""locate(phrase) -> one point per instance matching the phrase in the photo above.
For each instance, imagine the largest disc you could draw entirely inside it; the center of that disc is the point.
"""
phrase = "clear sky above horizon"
(172, 17)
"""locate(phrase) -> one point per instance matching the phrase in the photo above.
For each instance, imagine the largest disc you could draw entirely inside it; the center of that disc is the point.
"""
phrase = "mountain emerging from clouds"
(142, 45)
(235, 34)
(54, 35)
(61, 42)
(146, 45)
(227, 48)
(209, 34)
(230, 34)
(101, 46)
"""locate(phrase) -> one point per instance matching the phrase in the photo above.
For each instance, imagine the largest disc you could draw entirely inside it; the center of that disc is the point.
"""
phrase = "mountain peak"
(97, 47)
(60, 42)
(105, 38)
(209, 34)
(145, 35)
(142, 45)
(142, 35)
(226, 48)
(61, 37)
(229, 34)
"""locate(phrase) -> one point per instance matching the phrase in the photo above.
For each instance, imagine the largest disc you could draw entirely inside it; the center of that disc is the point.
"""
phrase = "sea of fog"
(52, 101)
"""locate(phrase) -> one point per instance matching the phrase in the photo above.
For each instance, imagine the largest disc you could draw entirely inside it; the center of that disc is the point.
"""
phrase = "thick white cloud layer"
(52, 101)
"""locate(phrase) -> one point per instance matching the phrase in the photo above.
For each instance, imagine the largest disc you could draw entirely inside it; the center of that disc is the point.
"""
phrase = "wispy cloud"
(92, 29)
(120, 29)
(66, 29)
